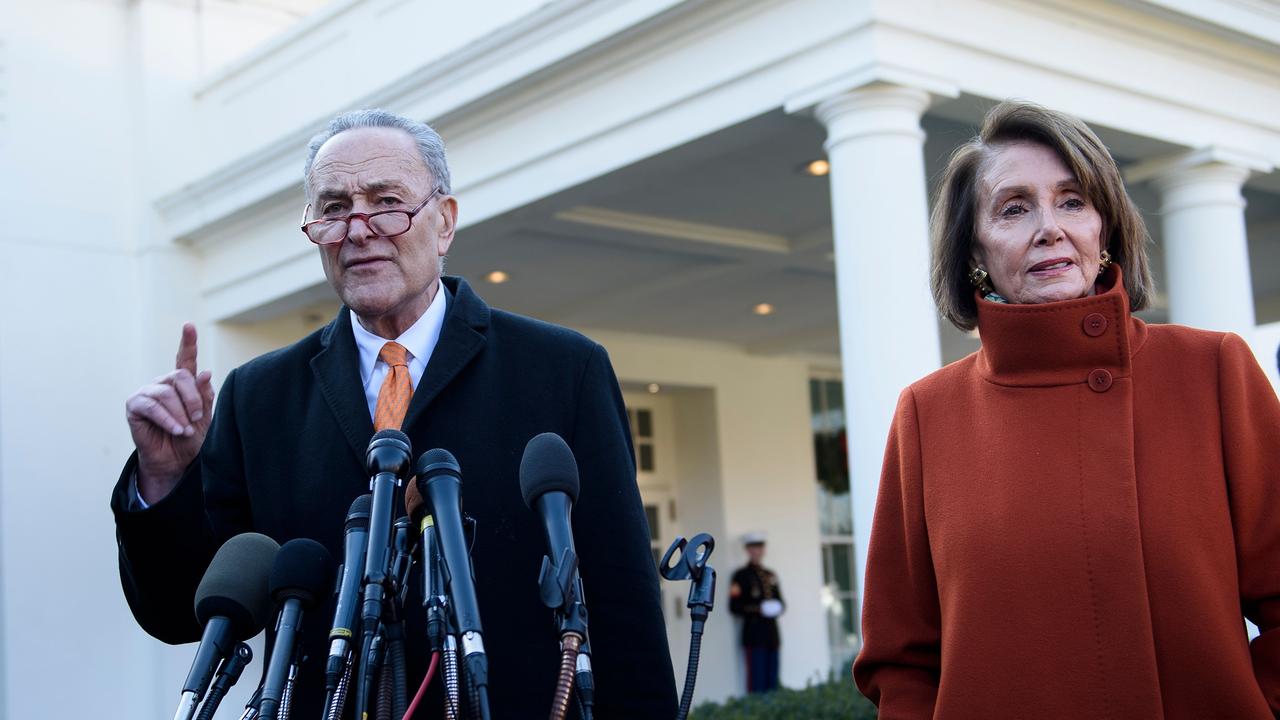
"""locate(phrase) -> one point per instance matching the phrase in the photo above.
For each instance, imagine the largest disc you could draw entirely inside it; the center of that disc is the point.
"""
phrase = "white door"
(653, 433)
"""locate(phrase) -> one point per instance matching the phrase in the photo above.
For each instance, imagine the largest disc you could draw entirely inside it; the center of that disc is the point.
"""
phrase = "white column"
(888, 322)
(1205, 246)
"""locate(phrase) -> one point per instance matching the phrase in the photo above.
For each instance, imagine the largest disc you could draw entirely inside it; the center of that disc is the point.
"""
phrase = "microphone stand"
(452, 711)
(401, 563)
(229, 672)
(441, 630)
(693, 565)
(286, 697)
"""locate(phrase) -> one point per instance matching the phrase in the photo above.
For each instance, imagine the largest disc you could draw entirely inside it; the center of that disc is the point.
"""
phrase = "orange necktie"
(397, 388)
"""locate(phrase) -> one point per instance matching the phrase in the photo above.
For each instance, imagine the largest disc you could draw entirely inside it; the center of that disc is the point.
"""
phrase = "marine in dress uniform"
(756, 597)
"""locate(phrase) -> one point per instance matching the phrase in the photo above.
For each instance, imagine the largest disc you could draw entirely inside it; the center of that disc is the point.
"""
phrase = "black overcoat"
(284, 457)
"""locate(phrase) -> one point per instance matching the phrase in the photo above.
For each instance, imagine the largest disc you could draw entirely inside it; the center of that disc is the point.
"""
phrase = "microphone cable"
(422, 689)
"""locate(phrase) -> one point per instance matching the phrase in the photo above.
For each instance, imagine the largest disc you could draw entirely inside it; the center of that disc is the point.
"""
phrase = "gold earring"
(979, 277)
(1104, 260)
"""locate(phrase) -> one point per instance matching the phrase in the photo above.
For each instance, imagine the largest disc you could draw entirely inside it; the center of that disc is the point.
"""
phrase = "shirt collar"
(420, 339)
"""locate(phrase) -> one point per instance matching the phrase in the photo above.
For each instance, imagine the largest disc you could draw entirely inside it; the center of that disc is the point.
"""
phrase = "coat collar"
(1060, 343)
(337, 366)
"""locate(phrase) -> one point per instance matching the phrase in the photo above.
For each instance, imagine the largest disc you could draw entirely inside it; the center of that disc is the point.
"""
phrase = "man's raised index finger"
(186, 359)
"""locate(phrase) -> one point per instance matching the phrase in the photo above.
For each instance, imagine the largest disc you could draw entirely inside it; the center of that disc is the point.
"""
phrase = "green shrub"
(837, 699)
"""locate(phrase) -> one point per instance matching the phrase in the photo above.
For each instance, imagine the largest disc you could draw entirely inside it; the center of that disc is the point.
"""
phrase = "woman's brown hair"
(953, 226)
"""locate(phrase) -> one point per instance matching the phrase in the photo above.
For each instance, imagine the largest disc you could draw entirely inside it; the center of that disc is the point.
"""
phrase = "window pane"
(644, 423)
(835, 512)
(651, 514)
(847, 619)
(826, 564)
(646, 457)
(842, 565)
(815, 406)
(835, 402)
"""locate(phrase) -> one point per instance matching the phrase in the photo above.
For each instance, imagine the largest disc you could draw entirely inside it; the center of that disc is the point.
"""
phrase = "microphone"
(440, 482)
(344, 617)
(302, 573)
(232, 603)
(433, 574)
(388, 463)
(549, 485)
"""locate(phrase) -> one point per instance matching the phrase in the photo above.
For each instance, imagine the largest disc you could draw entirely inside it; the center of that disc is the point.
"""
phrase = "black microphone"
(301, 575)
(388, 463)
(440, 482)
(433, 575)
(232, 603)
(344, 617)
(549, 485)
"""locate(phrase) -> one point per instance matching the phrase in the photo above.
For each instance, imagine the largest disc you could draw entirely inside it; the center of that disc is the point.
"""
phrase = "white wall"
(67, 361)
(81, 330)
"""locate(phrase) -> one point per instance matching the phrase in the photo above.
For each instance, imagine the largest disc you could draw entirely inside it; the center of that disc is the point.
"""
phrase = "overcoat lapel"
(337, 371)
(461, 338)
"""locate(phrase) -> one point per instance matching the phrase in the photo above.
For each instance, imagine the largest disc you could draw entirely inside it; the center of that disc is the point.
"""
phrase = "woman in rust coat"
(1074, 521)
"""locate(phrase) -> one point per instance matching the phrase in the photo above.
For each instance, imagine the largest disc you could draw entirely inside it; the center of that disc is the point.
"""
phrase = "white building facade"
(637, 169)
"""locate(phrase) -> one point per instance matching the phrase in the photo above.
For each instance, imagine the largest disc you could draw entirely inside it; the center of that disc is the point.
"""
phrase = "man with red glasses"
(412, 349)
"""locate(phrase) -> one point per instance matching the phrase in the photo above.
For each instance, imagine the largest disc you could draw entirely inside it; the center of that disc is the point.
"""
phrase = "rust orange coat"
(1072, 522)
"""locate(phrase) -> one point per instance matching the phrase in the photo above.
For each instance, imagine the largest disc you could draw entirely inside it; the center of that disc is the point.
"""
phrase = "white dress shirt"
(420, 340)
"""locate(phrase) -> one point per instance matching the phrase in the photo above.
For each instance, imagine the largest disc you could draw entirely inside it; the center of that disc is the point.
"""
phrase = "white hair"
(430, 146)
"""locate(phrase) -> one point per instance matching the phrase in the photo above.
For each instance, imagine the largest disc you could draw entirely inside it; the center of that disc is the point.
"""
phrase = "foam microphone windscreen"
(547, 465)
(303, 569)
(358, 515)
(236, 584)
(436, 461)
(390, 433)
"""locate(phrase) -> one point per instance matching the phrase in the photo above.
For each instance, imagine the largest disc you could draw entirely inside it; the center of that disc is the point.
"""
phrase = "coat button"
(1094, 324)
(1099, 380)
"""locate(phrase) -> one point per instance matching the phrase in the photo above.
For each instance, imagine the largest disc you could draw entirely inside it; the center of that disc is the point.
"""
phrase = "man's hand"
(168, 419)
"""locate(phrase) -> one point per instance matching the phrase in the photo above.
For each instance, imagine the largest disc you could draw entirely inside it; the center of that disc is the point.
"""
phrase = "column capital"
(1208, 162)
(1208, 176)
(874, 110)
(873, 76)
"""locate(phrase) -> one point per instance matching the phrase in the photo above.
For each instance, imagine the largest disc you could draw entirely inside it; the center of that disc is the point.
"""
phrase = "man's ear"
(448, 218)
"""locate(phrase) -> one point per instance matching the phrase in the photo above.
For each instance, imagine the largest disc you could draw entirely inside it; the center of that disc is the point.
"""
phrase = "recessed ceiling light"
(818, 167)
(654, 388)
(497, 277)
(763, 309)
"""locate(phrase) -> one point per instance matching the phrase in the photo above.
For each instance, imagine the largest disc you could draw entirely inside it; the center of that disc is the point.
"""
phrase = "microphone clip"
(556, 580)
(692, 565)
